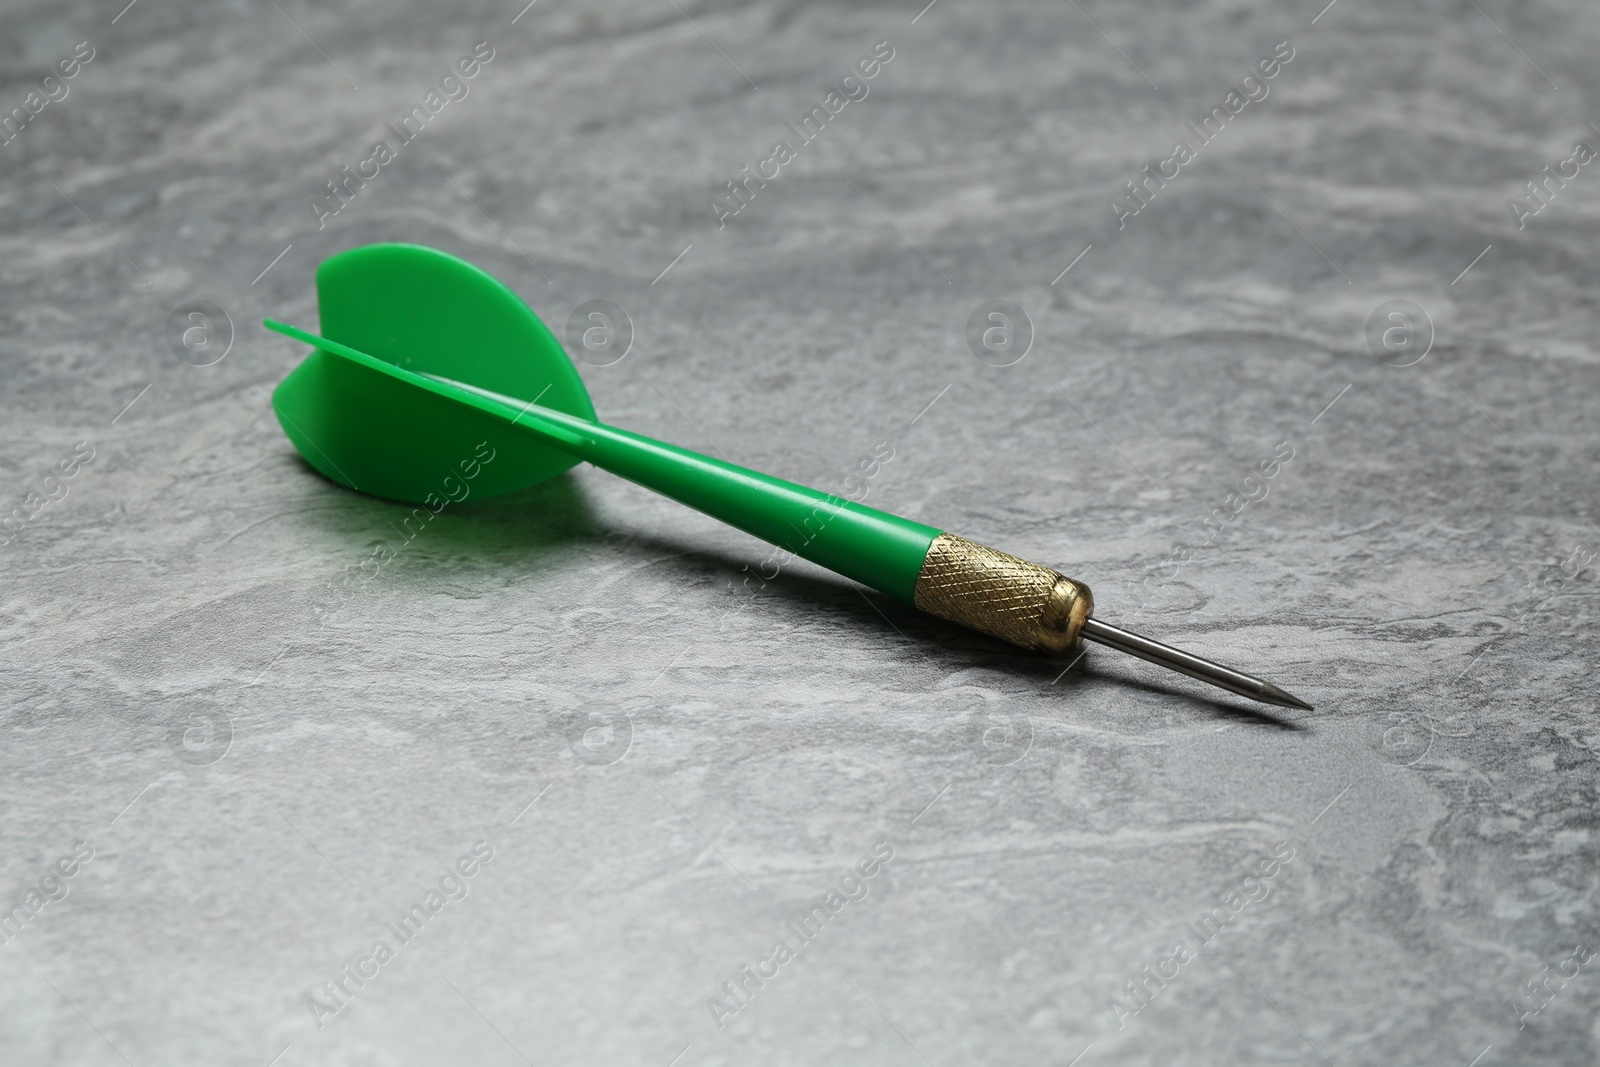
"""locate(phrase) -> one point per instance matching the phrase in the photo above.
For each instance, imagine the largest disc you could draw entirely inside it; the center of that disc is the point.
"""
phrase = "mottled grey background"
(271, 759)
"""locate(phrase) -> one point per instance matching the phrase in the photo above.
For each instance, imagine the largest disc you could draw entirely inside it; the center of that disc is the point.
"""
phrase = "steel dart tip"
(1175, 659)
(1271, 694)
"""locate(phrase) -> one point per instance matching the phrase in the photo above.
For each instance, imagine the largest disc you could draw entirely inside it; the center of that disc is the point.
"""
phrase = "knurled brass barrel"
(1002, 596)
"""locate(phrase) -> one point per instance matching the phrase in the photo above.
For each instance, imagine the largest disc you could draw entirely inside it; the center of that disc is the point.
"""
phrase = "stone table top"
(1295, 368)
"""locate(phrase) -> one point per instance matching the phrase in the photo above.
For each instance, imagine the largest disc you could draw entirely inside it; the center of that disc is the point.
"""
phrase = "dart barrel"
(1003, 596)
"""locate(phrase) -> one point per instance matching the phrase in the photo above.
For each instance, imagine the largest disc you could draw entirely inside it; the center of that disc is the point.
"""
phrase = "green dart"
(424, 358)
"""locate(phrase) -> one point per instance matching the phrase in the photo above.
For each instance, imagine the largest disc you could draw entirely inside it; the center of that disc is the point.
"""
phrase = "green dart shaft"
(873, 547)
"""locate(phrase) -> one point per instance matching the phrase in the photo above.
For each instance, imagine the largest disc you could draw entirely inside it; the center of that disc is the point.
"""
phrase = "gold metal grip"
(1002, 596)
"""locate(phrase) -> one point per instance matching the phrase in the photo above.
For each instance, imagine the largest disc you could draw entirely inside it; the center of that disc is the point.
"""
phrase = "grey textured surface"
(271, 757)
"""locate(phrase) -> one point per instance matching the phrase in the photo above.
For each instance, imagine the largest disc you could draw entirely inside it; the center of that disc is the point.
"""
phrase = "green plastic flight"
(423, 357)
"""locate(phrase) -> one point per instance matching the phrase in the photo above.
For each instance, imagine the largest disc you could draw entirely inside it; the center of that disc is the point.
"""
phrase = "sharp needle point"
(1186, 663)
(1281, 698)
